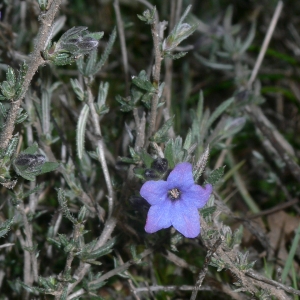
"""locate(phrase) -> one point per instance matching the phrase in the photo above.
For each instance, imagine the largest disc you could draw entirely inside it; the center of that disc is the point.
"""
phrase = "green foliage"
(63, 203)
(242, 261)
(80, 131)
(100, 105)
(43, 4)
(73, 44)
(215, 175)
(11, 88)
(5, 227)
(161, 135)
(89, 254)
(180, 32)
(99, 200)
(29, 165)
(91, 66)
(148, 16)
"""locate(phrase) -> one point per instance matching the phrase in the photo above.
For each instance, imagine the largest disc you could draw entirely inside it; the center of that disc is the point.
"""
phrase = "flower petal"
(181, 177)
(197, 195)
(158, 217)
(154, 191)
(185, 219)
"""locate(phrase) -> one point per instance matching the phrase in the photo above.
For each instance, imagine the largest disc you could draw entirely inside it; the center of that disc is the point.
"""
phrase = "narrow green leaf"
(11, 148)
(106, 52)
(49, 167)
(80, 132)
(95, 35)
(21, 117)
(63, 203)
(207, 211)
(162, 134)
(97, 286)
(218, 111)
(7, 90)
(188, 140)
(11, 76)
(249, 39)
(32, 149)
(168, 152)
(91, 63)
(77, 88)
(5, 226)
(143, 84)
(213, 65)
(215, 175)
(289, 262)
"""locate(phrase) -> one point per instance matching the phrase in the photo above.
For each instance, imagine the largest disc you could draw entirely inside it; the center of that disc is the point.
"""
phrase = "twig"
(29, 242)
(169, 288)
(6, 245)
(122, 268)
(222, 156)
(265, 43)
(84, 267)
(274, 283)
(178, 261)
(67, 269)
(27, 274)
(204, 270)
(36, 60)
(155, 75)
(113, 272)
(100, 145)
(129, 279)
(274, 209)
(122, 42)
(258, 117)
(140, 125)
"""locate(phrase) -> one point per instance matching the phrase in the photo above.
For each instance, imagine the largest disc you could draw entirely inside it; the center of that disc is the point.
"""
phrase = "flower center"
(174, 194)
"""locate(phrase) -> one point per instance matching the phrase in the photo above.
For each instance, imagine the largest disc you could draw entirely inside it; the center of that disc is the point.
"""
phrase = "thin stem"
(68, 265)
(122, 42)
(35, 61)
(274, 283)
(265, 43)
(100, 146)
(140, 125)
(274, 209)
(84, 267)
(169, 288)
(204, 270)
(121, 268)
(155, 75)
(29, 242)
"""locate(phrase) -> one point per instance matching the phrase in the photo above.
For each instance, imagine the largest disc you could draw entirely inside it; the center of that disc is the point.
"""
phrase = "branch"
(266, 42)
(204, 270)
(100, 145)
(29, 243)
(84, 267)
(35, 61)
(277, 284)
(156, 76)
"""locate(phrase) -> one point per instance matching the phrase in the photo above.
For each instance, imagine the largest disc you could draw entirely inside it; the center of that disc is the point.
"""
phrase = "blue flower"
(175, 202)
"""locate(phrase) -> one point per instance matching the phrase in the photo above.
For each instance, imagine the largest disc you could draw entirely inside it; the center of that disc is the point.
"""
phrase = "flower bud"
(30, 160)
(151, 174)
(160, 165)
